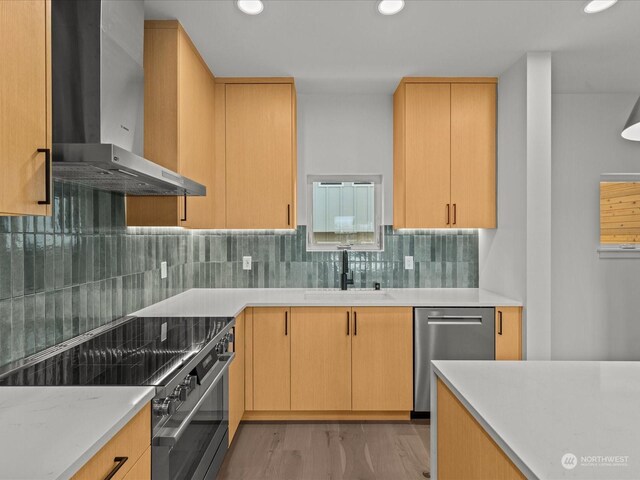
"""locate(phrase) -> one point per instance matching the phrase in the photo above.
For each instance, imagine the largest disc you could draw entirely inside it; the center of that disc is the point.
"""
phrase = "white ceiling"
(346, 46)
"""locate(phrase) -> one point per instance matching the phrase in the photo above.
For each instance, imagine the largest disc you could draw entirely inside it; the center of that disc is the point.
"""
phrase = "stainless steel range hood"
(98, 100)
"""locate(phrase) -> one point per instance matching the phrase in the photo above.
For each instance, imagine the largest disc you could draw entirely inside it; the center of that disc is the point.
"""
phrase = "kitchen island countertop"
(49, 433)
(538, 412)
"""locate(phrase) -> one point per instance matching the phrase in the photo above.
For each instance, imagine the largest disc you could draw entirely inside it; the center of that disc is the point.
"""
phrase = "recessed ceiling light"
(390, 7)
(250, 7)
(595, 6)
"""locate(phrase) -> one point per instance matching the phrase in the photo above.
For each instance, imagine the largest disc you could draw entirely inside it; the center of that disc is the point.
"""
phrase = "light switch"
(163, 269)
(408, 263)
(246, 263)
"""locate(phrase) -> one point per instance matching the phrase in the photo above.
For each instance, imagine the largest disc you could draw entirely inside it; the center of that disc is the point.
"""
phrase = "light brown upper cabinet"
(508, 333)
(445, 153)
(382, 359)
(321, 358)
(271, 359)
(179, 113)
(259, 151)
(25, 108)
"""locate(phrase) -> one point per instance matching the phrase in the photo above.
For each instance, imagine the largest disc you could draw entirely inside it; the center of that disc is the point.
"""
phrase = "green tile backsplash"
(81, 268)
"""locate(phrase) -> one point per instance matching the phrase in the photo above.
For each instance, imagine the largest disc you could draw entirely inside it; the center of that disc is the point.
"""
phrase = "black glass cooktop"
(140, 351)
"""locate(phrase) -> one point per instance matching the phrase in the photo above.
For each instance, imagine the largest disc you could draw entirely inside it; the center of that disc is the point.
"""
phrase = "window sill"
(618, 251)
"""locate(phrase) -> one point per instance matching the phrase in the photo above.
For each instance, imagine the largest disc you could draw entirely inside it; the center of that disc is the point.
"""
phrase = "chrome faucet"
(345, 281)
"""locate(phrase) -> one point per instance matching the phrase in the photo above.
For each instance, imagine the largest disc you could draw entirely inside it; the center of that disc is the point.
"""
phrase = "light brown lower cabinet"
(133, 441)
(236, 378)
(321, 358)
(465, 449)
(271, 358)
(382, 359)
(328, 363)
(508, 333)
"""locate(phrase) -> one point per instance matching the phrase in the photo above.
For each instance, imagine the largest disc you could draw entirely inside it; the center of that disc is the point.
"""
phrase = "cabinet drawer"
(131, 442)
(142, 468)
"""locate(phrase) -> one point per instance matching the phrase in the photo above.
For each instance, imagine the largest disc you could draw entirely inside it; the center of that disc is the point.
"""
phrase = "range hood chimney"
(98, 100)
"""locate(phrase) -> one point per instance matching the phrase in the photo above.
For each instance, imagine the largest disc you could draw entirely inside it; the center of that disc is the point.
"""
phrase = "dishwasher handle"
(454, 319)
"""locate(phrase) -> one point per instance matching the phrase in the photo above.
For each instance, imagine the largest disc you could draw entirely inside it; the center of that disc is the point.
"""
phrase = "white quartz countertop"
(49, 433)
(229, 302)
(538, 412)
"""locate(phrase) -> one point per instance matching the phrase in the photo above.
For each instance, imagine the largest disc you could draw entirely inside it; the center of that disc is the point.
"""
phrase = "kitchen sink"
(347, 295)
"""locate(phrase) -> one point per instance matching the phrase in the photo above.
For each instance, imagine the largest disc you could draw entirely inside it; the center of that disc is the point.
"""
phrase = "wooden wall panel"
(620, 212)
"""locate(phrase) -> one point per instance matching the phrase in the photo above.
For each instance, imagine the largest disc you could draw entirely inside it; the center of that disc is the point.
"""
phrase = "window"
(344, 212)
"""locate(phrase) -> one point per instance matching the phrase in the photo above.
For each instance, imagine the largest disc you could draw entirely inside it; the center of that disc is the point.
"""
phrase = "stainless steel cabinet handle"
(499, 322)
(454, 320)
(47, 176)
(120, 461)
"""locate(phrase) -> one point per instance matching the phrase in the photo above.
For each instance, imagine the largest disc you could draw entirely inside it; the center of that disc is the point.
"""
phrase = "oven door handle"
(174, 437)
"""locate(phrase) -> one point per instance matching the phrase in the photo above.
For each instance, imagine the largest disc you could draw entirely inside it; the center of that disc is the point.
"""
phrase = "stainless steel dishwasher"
(464, 333)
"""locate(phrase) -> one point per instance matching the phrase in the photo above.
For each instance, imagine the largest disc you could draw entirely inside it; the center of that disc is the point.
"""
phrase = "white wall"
(538, 326)
(595, 302)
(515, 259)
(344, 134)
(503, 250)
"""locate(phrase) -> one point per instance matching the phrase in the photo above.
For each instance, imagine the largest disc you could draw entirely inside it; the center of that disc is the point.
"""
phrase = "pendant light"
(631, 129)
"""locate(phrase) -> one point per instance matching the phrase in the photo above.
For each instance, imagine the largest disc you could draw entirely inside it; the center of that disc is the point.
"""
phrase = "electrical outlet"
(246, 263)
(163, 269)
(163, 332)
(408, 263)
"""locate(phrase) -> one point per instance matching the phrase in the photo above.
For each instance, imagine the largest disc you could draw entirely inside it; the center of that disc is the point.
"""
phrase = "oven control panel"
(207, 363)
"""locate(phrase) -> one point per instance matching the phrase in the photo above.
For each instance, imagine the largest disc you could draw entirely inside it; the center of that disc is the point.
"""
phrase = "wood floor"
(328, 451)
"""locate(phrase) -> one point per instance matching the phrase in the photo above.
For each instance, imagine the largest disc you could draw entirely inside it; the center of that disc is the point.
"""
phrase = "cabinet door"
(508, 333)
(271, 359)
(236, 378)
(382, 359)
(132, 441)
(473, 155)
(259, 155)
(179, 127)
(161, 134)
(196, 115)
(321, 358)
(427, 155)
(25, 106)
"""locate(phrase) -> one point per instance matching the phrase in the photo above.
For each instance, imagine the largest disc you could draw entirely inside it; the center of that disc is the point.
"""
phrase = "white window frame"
(378, 227)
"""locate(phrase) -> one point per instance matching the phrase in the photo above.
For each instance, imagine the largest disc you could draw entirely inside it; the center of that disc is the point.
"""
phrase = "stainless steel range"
(185, 359)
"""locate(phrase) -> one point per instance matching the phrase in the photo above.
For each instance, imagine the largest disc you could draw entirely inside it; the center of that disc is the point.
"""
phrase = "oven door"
(194, 440)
